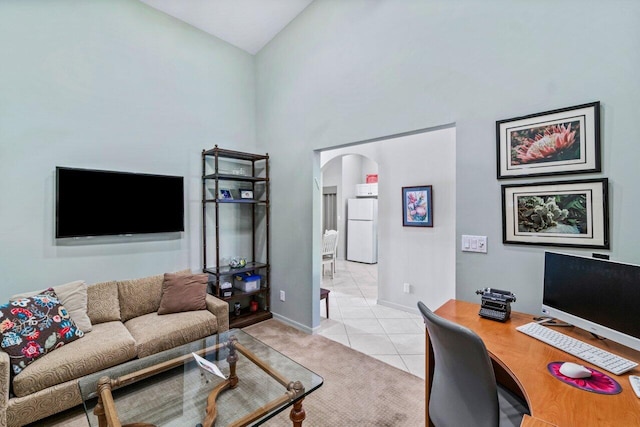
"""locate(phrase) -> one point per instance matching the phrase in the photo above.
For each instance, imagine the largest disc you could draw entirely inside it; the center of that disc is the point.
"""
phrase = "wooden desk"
(521, 362)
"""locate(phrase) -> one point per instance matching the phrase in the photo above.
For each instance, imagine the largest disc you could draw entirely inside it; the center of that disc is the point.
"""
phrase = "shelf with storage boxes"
(235, 210)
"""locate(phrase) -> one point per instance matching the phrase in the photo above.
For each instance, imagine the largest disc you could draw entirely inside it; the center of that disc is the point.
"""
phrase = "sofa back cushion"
(34, 326)
(73, 296)
(141, 296)
(102, 302)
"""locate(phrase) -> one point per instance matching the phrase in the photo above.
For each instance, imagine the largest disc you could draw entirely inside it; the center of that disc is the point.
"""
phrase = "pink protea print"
(547, 144)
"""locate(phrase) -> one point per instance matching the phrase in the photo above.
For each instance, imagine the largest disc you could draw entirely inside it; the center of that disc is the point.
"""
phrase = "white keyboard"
(601, 358)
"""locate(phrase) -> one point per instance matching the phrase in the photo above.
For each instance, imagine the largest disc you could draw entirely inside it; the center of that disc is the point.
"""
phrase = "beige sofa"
(125, 325)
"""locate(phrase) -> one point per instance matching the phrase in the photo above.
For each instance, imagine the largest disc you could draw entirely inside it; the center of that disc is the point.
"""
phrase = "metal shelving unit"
(258, 179)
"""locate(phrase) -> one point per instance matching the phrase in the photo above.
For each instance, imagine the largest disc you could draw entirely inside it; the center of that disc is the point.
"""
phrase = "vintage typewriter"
(496, 304)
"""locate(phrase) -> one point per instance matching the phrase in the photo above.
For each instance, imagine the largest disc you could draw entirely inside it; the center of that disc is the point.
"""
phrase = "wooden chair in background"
(329, 254)
(329, 250)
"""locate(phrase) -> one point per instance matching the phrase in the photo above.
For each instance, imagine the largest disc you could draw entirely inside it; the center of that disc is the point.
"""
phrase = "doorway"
(414, 263)
(341, 175)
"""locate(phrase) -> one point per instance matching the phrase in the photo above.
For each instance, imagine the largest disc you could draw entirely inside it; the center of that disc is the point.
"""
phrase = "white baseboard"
(412, 310)
(293, 323)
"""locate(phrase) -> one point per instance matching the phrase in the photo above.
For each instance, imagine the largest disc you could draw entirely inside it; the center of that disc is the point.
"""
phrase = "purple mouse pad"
(597, 383)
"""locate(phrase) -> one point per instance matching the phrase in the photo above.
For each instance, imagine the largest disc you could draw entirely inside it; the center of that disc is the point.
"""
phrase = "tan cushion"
(73, 296)
(141, 296)
(154, 333)
(183, 292)
(108, 345)
(102, 302)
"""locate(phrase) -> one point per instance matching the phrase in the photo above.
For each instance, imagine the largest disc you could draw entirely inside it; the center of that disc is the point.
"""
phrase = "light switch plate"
(474, 243)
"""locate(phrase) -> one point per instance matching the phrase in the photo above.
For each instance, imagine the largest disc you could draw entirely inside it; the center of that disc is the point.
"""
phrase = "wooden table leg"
(324, 295)
(327, 305)
(232, 358)
(297, 414)
(104, 386)
(98, 411)
(211, 410)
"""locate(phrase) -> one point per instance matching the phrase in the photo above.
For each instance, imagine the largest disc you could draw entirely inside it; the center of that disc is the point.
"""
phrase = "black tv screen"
(101, 203)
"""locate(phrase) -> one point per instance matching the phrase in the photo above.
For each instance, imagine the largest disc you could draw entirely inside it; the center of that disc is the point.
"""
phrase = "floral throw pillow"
(32, 327)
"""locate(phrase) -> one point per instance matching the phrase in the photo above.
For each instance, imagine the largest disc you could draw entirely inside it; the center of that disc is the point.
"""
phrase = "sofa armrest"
(5, 386)
(221, 310)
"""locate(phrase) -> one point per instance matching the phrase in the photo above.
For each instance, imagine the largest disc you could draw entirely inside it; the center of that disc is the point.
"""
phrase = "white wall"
(422, 257)
(110, 85)
(351, 71)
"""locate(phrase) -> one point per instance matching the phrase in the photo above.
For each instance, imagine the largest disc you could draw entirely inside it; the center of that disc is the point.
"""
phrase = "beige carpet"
(358, 390)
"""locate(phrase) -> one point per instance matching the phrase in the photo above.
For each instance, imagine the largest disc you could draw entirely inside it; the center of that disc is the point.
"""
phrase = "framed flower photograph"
(417, 207)
(563, 141)
(566, 213)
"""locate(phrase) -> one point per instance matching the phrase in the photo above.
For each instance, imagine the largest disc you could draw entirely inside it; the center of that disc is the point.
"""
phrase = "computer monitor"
(597, 295)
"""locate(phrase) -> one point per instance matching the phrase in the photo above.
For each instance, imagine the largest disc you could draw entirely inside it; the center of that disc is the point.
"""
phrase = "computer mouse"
(573, 370)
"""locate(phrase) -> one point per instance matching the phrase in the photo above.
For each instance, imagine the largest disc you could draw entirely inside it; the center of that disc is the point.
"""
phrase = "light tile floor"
(356, 320)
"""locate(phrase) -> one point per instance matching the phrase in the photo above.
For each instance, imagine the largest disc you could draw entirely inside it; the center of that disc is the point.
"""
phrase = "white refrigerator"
(362, 230)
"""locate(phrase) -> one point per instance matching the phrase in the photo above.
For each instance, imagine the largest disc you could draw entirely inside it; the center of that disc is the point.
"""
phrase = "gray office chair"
(464, 390)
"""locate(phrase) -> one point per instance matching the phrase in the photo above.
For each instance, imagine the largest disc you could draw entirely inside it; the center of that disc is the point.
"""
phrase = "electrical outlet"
(406, 288)
(281, 295)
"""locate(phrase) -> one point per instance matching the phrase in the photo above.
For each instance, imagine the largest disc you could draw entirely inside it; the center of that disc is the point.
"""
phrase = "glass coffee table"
(171, 389)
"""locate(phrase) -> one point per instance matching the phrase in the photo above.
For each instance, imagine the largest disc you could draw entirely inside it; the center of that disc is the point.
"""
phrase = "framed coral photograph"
(566, 213)
(555, 142)
(417, 208)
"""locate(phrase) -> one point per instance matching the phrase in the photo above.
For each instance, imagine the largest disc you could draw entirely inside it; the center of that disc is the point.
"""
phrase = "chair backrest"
(464, 390)
(337, 237)
(329, 243)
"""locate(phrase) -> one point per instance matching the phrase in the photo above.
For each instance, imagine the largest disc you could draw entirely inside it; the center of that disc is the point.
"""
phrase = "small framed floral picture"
(417, 207)
(563, 141)
(225, 194)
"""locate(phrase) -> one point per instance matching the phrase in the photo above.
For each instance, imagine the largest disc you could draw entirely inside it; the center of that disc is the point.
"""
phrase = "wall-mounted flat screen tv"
(102, 203)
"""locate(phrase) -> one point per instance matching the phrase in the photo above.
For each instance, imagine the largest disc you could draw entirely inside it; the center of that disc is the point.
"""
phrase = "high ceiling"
(247, 24)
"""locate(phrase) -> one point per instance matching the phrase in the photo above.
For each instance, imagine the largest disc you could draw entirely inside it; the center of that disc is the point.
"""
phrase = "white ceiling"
(247, 24)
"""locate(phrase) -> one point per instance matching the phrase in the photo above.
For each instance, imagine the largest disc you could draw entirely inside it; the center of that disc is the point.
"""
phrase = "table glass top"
(177, 397)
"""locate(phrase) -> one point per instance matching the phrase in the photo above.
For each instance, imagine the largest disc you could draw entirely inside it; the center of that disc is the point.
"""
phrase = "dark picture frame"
(225, 194)
(417, 206)
(246, 193)
(564, 213)
(557, 142)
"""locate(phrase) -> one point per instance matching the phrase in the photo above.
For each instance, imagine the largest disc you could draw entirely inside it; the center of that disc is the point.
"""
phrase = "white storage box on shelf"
(247, 283)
